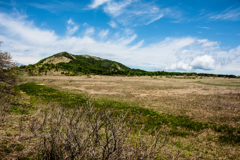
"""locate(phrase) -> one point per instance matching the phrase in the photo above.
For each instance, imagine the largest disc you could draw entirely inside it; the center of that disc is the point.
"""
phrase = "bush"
(7, 82)
(6, 68)
(87, 133)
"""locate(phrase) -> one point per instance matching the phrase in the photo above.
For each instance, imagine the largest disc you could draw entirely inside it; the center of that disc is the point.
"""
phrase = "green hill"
(69, 64)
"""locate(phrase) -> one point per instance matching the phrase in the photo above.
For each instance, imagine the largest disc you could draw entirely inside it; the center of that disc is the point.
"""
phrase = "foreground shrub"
(88, 133)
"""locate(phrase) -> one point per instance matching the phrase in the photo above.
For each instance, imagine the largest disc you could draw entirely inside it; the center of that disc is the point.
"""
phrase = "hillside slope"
(69, 64)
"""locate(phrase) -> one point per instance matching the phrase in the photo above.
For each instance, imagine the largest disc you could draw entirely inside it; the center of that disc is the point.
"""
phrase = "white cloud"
(128, 31)
(97, 3)
(125, 41)
(137, 46)
(203, 54)
(103, 33)
(228, 14)
(89, 31)
(154, 19)
(134, 12)
(180, 66)
(56, 6)
(116, 8)
(113, 24)
(207, 43)
(204, 27)
(72, 28)
(205, 62)
(178, 54)
(25, 31)
(70, 22)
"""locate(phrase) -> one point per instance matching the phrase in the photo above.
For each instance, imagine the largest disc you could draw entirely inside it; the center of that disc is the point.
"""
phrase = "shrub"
(6, 68)
(7, 82)
(87, 133)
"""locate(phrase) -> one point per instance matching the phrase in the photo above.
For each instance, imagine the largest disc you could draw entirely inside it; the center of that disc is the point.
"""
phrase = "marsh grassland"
(197, 118)
(214, 100)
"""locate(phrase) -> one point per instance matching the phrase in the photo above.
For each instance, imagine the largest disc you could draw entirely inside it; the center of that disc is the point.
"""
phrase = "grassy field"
(214, 100)
(201, 117)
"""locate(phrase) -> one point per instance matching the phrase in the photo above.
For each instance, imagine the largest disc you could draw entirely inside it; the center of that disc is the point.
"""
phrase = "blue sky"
(169, 35)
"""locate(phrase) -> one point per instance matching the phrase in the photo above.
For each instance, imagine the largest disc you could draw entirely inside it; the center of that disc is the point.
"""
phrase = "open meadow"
(165, 118)
(215, 100)
(205, 100)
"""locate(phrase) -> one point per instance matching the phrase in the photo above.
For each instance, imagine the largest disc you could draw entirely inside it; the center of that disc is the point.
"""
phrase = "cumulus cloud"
(28, 44)
(202, 54)
(205, 62)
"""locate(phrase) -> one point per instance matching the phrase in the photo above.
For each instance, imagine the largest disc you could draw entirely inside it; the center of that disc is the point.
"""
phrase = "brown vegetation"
(55, 132)
(32, 128)
(204, 103)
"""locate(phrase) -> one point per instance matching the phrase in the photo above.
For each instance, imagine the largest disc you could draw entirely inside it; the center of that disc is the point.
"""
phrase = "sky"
(200, 36)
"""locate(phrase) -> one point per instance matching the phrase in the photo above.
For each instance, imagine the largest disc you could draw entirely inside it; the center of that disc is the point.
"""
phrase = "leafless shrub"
(89, 133)
(6, 68)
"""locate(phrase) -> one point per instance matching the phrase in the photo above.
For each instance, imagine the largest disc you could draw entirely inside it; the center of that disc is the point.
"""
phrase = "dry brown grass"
(56, 60)
(55, 132)
(205, 103)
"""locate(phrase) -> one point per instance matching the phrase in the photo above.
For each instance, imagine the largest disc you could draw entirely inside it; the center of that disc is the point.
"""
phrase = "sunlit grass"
(150, 118)
(199, 119)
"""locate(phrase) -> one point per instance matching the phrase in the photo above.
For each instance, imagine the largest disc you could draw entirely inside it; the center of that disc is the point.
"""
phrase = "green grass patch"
(48, 94)
(212, 84)
(178, 125)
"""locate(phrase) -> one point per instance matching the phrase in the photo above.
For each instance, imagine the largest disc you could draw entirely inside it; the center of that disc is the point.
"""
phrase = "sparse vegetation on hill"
(69, 64)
